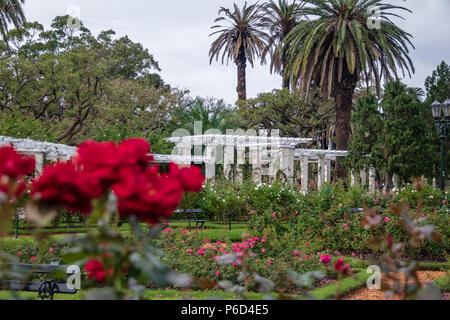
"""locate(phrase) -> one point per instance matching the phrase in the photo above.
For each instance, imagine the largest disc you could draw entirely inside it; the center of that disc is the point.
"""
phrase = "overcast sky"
(176, 33)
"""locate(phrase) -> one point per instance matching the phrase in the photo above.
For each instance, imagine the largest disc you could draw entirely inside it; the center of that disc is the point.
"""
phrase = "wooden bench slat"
(34, 287)
(37, 268)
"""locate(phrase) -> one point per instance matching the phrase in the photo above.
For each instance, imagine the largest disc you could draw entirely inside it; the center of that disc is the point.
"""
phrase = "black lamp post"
(441, 115)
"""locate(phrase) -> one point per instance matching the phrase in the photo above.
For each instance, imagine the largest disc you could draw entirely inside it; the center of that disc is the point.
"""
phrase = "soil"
(366, 294)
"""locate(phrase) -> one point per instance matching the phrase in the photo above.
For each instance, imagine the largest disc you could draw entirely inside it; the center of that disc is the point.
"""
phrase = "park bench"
(190, 212)
(45, 289)
(360, 209)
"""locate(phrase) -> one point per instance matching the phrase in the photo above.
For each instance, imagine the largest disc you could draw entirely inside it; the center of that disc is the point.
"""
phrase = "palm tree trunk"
(343, 101)
(241, 63)
(284, 61)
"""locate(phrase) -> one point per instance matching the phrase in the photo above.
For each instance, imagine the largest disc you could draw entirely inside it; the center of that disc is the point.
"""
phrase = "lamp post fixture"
(441, 115)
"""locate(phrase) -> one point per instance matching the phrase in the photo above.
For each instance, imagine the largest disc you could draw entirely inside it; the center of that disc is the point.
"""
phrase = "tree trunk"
(343, 96)
(241, 63)
(286, 82)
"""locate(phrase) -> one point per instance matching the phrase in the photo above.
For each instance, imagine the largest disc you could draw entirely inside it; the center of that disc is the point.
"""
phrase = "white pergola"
(267, 156)
(42, 151)
(47, 151)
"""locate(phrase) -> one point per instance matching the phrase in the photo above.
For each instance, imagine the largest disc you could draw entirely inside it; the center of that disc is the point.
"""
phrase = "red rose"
(150, 196)
(95, 269)
(15, 189)
(104, 161)
(100, 161)
(15, 165)
(62, 184)
(340, 266)
(135, 153)
(13, 168)
(191, 178)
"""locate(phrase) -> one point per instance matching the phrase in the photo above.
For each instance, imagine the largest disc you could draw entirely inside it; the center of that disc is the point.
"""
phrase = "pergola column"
(210, 163)
(287, 162)
(255, 158)
(240, 160)
(184, 150)
(321, 172)
(395, 181)
(327, 177)
(363, 176)
(352, 178)
(228, 159)
(372, 177)
(304, 163)
(39, 158)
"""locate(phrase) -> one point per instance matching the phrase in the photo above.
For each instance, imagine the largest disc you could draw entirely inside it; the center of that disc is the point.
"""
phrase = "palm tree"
(281, 17)
(11, 12)
(337, 48)
(242, 39)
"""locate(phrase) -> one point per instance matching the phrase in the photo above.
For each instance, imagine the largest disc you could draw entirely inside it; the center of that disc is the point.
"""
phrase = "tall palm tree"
(282, 17)
(334, 51)
(11, 12)
(242, 38)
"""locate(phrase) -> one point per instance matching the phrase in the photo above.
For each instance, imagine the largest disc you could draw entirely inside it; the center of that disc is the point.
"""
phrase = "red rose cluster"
(98, 167)
(96, 270)
(13, 168)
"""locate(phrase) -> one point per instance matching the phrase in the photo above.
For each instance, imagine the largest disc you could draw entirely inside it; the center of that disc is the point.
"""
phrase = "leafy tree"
(212, 113)
(11, 12)
(294, 117)
(242, 39)
(281, 17)
(394, 135)
(367, 124)
(438, 84)
(18, 125)
(333, 50)
(67, 79)
(132, 109)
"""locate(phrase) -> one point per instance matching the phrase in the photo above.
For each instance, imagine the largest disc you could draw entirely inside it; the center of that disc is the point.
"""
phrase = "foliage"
(281, 18)
(335, 47)
(393, 135)
(340, 38)
(82, 86)
(438, 84)
(295, 117)
(242, 39)
(11, 12)
(323, 218)
(443, 283)
(392, 263)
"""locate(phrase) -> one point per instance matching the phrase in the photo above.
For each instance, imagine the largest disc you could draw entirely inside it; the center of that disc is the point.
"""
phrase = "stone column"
(352, 178)
(327, 176)
(240, 160)
(363, 176)
(304, 163)
(210, 164)
(39, 158)
(184, 151)
(287, 162)
(372, 177)
(321, 172)
(395, 181)
(435, 183)
(255, 158)
(228, 157)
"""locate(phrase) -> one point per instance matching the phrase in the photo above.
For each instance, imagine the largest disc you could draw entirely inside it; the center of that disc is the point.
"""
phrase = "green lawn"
(162, 294)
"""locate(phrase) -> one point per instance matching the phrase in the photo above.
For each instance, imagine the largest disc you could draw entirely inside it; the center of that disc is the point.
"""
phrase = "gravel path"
(366, 294)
